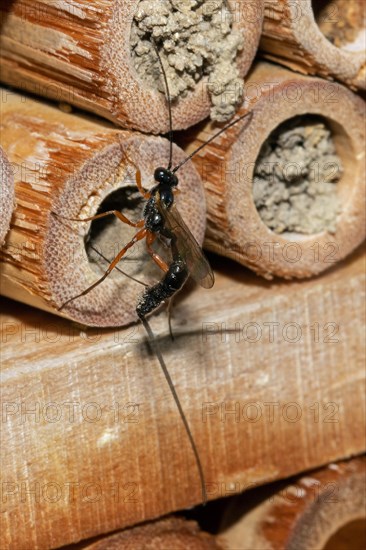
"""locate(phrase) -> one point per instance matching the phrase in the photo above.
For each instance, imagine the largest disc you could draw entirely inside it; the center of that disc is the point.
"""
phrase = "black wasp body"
(164, 289)
(155, 222)
(164, 193)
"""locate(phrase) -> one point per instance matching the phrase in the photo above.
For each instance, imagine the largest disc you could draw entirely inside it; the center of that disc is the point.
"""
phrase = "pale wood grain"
(136, 456)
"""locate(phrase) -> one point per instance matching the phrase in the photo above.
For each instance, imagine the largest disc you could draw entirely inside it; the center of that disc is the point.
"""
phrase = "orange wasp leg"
(143, 233)
(145, 194)
(150, 238)
(116, 213)
(119, 215)
(138, 237)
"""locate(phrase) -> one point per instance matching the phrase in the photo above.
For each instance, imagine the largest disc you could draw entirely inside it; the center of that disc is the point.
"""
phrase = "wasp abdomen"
(173, 281)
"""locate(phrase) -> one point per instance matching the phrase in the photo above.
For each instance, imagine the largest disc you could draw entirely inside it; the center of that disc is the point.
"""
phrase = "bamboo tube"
(80, 53)
(6, 195)
(165, 534)
(69, 165)
(270, 376)
(228, 165)
(311, 512)
(325, 38)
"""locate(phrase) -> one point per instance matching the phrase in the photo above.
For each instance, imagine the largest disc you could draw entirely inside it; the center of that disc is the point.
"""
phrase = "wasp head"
(167, 180)
(165, 177)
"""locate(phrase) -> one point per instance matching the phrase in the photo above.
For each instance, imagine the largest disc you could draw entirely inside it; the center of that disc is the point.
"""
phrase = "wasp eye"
(174, 180)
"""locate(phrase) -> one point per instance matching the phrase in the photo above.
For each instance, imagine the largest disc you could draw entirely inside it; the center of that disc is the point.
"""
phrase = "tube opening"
(351, 535)
(342, 22)
(190, 37)
(107, 236)
(296, 178)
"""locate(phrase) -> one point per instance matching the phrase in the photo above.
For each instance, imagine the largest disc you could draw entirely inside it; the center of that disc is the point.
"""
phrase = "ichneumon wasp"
(161, 219)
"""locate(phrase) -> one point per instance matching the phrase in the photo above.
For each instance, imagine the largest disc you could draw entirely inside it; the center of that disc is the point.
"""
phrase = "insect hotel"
(182, 321)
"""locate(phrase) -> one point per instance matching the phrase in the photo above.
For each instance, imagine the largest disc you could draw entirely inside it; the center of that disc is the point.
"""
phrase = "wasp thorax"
(166, 195)
(154, 221)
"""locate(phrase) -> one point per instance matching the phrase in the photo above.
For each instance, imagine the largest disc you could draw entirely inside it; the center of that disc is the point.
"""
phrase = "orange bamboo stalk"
(69, 165)
(270, 376)
(80, 53)
(308, 513)
(165, 534)
(319, 38)
(227, 167)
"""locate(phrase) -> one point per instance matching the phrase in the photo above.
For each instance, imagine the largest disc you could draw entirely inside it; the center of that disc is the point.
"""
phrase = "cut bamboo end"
(6, 195)
(82, 56)
(230, 163)
(308, 513)
(67, 166)
(320, 38)
(164, 534)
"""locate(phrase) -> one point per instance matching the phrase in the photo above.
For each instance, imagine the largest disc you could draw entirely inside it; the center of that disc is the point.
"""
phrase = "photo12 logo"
(269, 412)
(54, 492)
(271, 332)
(72, 412)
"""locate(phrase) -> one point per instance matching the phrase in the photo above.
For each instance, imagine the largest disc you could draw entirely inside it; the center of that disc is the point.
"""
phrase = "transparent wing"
(187, 246)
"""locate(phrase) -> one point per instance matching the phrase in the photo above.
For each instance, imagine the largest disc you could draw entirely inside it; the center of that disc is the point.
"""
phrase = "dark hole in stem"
(351, 536)
(109, 235)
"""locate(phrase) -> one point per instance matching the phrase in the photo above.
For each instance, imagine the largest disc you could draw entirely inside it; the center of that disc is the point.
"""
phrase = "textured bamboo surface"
(309, 512)
(164, 534)
(79, 52)
(272, 385)
(329, 42)
(227, 165)
(6, 195)
(68, 164)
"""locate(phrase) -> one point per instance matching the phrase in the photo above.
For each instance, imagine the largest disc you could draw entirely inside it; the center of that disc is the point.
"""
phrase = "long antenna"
(156, 349)
(169, 104)
(232, 123)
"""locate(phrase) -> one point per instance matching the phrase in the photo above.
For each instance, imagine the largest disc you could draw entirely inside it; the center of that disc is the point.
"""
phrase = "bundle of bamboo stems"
(248, 213)
(282, 192)
(271, 379)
